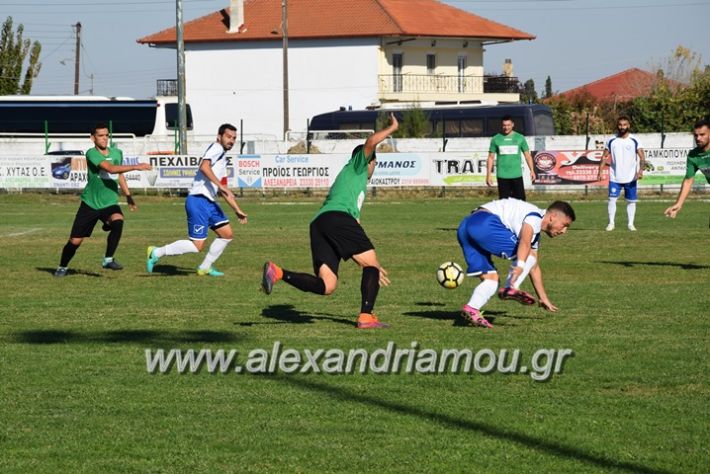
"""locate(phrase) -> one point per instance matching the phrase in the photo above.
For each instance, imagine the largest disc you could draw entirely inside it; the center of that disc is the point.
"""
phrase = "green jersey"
(101, 189)
(508, 148)
(348, 191)
(698, 160)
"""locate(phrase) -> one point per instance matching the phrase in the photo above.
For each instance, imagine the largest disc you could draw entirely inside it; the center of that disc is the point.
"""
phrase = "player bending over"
(510, 229)
(336, 234)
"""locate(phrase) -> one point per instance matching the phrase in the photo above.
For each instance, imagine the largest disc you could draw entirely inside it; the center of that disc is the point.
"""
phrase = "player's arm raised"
(377, 137)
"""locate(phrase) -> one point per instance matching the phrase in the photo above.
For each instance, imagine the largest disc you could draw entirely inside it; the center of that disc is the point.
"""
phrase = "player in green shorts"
(336, 235)
(698, 160)
(99, 201)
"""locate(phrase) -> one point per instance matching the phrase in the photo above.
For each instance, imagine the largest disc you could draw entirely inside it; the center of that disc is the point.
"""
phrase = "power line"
(564, 9)
(44, 57)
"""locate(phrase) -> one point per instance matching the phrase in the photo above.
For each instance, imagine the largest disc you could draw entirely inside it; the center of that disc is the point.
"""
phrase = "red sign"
(569, 167)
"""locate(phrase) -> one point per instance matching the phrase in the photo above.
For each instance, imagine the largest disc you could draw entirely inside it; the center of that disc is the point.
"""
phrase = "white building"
(341, 53)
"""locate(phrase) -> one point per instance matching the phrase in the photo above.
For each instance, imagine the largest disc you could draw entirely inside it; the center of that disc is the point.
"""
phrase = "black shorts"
(336, 236)
(511, 188)
(87, 217)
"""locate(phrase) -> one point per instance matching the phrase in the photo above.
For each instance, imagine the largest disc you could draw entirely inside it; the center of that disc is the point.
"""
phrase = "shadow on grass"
(531, 442)
(444, 315)
(70, 272)
(286, 314)
(683, 266)
(137, 336)
(170, 270)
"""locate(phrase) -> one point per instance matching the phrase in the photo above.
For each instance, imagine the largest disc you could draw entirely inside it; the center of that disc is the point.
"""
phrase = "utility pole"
(284, 29)
(77, 57)
(182, 108)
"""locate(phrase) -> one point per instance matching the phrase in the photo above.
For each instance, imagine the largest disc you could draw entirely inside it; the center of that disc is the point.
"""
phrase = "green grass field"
(75, 395)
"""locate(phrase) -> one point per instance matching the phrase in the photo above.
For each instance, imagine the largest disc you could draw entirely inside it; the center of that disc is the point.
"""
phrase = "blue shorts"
(202, 214)
(630, 190)
(481, 235)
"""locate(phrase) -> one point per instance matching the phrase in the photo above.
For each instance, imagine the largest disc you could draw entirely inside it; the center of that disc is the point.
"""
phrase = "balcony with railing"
(440, 87)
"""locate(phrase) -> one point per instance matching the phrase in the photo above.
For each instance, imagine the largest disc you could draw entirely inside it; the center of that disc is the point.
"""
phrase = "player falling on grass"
(203, 211)
(336, 234)
(99, 200)
(510, 229)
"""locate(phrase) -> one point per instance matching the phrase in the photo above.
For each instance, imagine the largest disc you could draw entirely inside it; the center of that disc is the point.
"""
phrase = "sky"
(578, 41)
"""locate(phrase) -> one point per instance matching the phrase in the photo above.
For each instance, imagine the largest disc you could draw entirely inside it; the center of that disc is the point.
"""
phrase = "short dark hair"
(224, 127)
(564, 208)
(357, 149)
(623, 117)
(701, 123)
(98, 126)
(506, 117)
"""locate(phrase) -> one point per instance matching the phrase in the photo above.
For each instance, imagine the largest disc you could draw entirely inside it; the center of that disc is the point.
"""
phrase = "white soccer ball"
(450, 275)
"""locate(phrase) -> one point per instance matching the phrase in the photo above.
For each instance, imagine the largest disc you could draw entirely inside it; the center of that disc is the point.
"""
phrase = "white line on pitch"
(17, 234)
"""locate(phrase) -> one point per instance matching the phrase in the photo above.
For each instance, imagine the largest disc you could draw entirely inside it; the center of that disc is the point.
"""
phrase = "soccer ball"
(450, 275)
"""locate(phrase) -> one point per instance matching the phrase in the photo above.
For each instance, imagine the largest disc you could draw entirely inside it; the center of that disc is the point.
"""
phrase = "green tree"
(548, 88)
(528, 95)
(415, 123)
(14, 50)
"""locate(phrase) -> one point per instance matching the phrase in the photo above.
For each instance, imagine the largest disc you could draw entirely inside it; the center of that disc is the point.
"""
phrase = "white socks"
(529, 264)
(216, 249)
(611, 208)
(179, 247)
(482, 293)
(631, 212)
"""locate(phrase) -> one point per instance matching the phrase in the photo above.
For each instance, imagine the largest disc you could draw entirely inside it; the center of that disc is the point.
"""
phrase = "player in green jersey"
(336, 234)
(99, 201)
(698, 160)
(505, 150)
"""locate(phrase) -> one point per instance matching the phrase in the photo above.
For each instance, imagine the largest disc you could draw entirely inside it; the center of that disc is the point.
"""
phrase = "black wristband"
(130, 200)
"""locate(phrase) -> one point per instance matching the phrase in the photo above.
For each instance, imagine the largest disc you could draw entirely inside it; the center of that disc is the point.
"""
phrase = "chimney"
(236, 15)
(508, 68)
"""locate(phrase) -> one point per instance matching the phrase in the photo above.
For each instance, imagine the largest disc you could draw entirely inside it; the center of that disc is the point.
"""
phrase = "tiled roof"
(625, 85)
(342, 19)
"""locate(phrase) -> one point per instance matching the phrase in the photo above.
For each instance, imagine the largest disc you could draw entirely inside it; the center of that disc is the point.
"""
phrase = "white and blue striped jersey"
(513, 213)
(624, 158)
(202, 186)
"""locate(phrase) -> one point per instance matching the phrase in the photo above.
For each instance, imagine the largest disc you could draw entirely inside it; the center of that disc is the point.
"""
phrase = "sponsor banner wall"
(402, 169)
(569, 167)
(457, 169)
(25, 172)
(664, 166)
(295, 171)
(174, 171)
